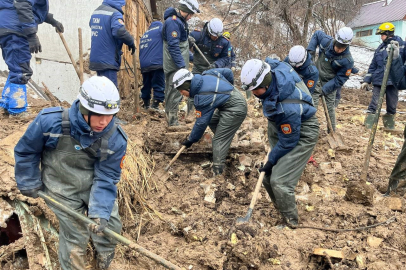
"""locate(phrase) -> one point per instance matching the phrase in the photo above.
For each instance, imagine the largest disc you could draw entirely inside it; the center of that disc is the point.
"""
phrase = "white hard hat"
(193, 5)
(181, 76)
(253, 73)
(99, 95)
(344, 35)
(297, 56)
(215, 27)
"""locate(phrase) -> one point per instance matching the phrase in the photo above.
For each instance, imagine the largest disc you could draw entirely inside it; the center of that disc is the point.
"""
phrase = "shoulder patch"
(174, 17)
(52, 110)
(174, 34)
(348, 73)
(121, 21)
(229, 53)
(122, 162)
(310, 83)
(198, 114)
(197, 29)
(286, 129)
(121, 130)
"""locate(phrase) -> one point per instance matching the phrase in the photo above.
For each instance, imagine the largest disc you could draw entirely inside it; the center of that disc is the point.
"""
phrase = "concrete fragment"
(245, 160)
(374, 241)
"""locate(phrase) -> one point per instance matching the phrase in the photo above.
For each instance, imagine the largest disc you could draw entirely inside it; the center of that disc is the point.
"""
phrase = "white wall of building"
(52, 66)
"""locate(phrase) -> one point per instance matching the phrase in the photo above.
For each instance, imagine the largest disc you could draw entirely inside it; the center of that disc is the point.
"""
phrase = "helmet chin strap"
(88, 118)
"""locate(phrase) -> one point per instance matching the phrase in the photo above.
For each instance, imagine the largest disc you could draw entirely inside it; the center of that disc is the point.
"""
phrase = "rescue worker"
(176, 52)
(19, 22)
(354, 70)
(75, 155)
(218, 105)
(398, 77)
(151, 62)
(232, 63)
(375, 76)
(302, 63)
(212, 44)
(334, 64)
(108, 36)
(293, 128)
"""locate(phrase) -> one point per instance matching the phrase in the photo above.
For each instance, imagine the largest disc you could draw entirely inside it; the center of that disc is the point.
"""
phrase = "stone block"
(245, 160)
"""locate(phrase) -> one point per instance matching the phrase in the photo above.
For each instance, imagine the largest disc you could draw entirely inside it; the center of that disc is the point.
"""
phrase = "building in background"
(372, 15)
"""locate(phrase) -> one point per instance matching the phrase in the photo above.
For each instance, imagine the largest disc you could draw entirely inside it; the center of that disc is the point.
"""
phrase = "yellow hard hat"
(385, 29)
(227, 35)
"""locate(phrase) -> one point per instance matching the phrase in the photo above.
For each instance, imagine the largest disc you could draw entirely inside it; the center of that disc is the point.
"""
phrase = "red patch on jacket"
(348, 73)
(122, 162)
(198, 114)
(310, 83)
(286, 129)
(174, 17)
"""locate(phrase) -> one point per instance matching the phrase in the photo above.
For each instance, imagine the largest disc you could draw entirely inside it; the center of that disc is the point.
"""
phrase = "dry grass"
(136, 183)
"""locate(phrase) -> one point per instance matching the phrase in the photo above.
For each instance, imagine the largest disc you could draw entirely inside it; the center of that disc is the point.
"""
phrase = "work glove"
(191, 39)
(364, 86)
(187, 143)
(212, 66)
(132, 48)
(313, 54)
(232, 69)
(267, 168)
(101, 225)
(35, 45)
(58, 26)
(33, 193)
(395, 45)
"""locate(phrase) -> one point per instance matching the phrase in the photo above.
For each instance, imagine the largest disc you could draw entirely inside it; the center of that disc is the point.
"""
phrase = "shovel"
(109, 233)
(334, 139)
(243, 220)
(162, 174)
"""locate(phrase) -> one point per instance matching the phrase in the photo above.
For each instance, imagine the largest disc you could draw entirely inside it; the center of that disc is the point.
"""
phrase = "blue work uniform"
(18, 19)
(217, 52)
(220, 106)
(176, 56)
(334, 70)
(78, 167)
(108, 36)
(293, 131)
(375, 74)
(151, 61)
(308, 72)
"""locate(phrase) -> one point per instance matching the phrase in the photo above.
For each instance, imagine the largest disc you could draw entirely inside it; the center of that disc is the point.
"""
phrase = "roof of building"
(378, 12)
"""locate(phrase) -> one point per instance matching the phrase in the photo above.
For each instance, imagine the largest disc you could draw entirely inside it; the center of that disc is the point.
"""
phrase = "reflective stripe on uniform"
(52, 135)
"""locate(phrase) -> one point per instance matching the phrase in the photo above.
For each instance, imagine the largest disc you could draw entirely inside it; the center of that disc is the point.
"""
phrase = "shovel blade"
(162, 175)
(335, 140)
(246, 219)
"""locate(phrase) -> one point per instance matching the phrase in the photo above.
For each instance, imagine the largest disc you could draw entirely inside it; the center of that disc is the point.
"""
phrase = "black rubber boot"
(104, 260)
(146, 104)
(392, 186)
(155, 104)
(291, 218)
(388, 121)
(218, 169)
(172, 118)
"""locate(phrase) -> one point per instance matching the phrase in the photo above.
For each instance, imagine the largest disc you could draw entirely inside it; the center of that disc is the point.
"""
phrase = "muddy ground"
(196, 234)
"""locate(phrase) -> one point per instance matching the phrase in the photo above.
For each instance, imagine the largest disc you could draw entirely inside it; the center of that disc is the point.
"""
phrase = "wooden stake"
(136, 88)
(70, 54)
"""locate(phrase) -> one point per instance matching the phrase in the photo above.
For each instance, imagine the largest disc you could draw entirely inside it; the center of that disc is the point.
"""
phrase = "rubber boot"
(155, 104)
(388, 121)
(104, 260)
(392, 186)
(172, 118)
(218, 169)
(146, 104)
(292, 218)
(336, 102)
(369, 120)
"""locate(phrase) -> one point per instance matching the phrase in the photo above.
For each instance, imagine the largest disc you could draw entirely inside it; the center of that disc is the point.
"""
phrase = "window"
(364, 33)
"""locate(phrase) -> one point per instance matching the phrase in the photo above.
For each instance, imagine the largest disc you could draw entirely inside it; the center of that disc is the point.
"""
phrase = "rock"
(330, 167)
(245, 160)
(360, 262)
(374, 241)
(244, 143)
(394, 203)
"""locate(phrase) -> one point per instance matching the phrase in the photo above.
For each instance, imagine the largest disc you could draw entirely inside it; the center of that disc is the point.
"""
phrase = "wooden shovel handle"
(69, 53)
(259, 183)
(175, 158)
(330, 126)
